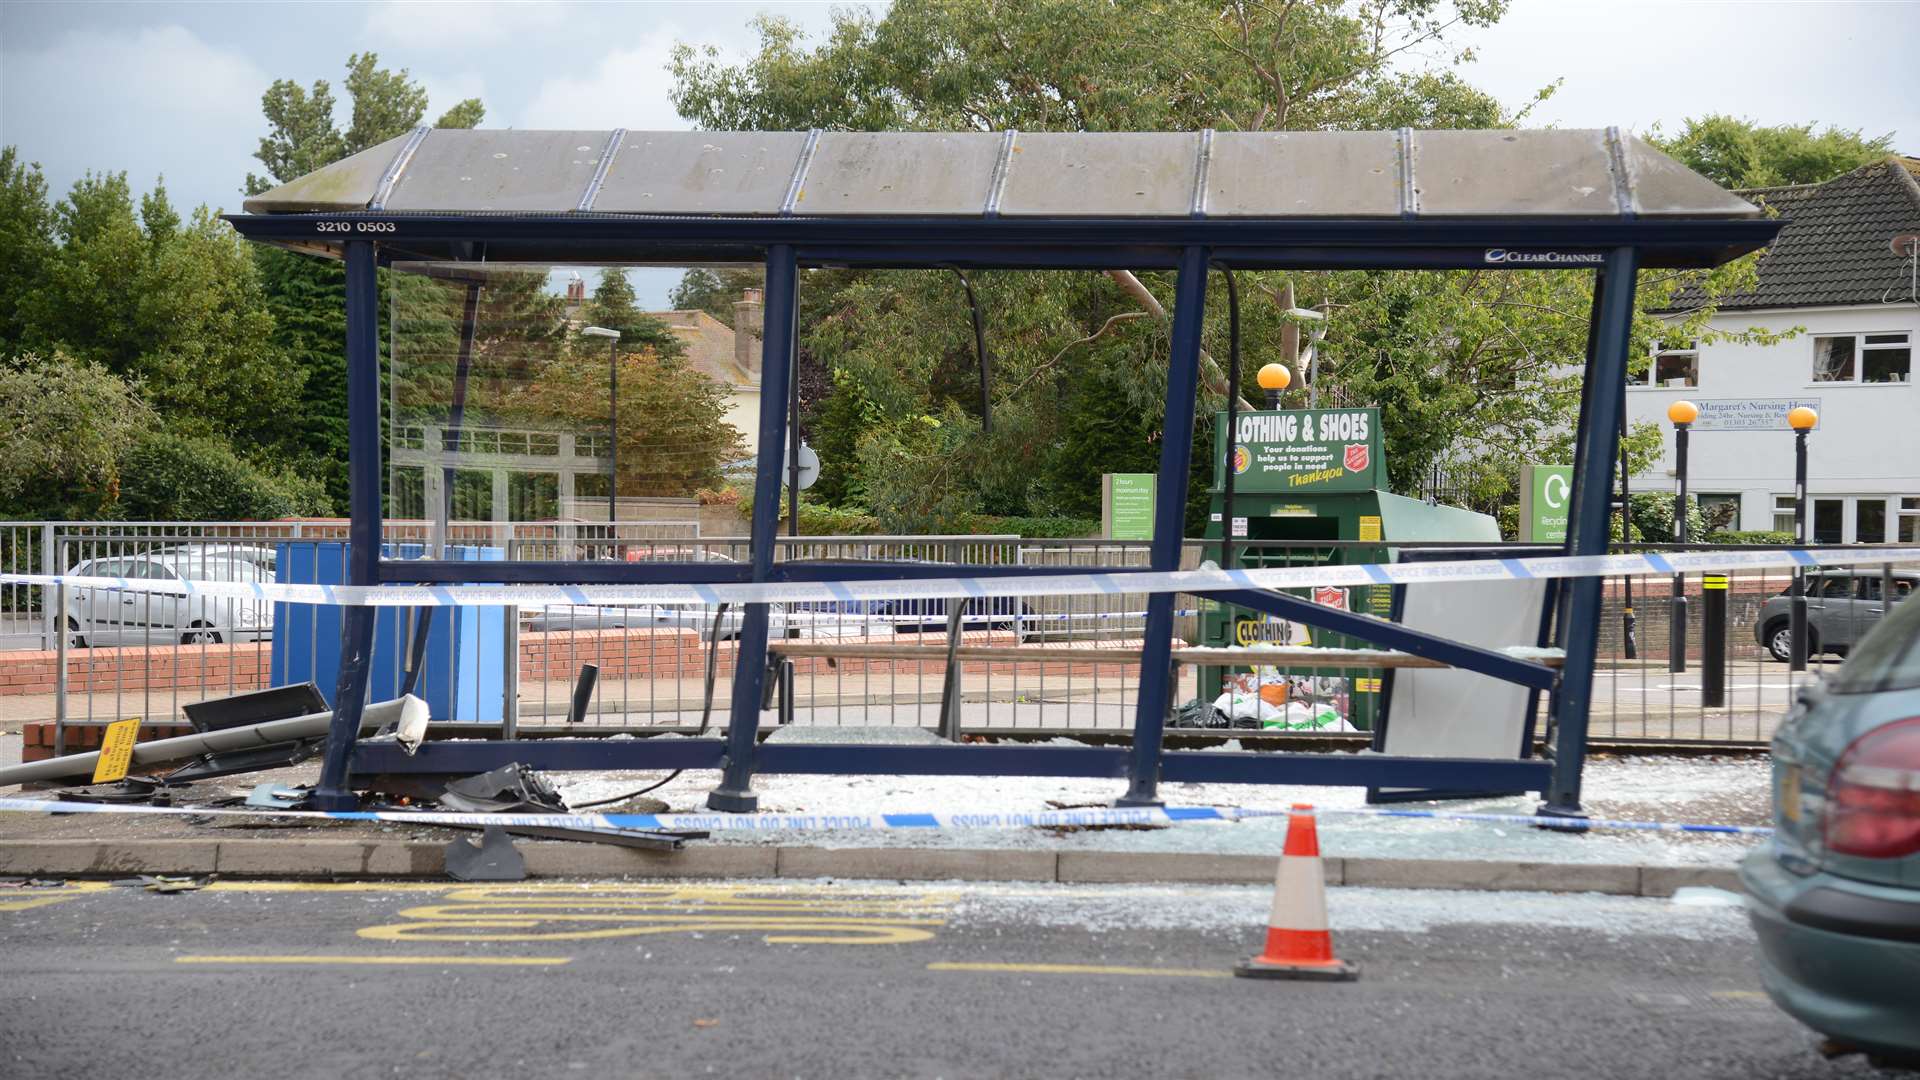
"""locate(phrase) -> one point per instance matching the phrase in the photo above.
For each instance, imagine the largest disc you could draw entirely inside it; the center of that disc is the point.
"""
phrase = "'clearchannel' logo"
(1549, 258)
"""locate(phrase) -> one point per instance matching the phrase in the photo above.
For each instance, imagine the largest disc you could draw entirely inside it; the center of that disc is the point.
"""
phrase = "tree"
(1079, 359)
(26, 239)
(1738, 153)
(176, 306)
(168, 476)
(307, 296)
(673, 431)
(64, 424)
(714, 290)
(613, 307)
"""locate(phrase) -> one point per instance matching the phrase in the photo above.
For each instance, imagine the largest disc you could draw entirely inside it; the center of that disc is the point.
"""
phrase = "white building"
(1833, 275)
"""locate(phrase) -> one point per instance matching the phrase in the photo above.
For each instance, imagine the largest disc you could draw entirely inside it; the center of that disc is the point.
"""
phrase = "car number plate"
(1789, 796)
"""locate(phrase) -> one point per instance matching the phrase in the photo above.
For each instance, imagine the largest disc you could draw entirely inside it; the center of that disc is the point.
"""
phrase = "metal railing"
(128, 655)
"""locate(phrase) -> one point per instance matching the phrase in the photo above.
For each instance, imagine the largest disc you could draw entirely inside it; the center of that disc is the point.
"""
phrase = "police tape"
(980, 587)
(1091, 817)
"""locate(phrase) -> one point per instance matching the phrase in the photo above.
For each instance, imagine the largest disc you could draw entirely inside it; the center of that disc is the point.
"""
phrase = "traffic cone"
(1299, 946)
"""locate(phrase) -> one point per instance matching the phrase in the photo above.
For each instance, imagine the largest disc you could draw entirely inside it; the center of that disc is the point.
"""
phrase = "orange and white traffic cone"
(1299, 946)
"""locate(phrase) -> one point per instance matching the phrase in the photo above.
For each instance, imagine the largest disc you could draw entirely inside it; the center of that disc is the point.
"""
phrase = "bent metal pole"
(225, 740)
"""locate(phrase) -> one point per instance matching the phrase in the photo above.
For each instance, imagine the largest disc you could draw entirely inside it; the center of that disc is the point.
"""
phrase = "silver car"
(1842, 605)
(119, 617)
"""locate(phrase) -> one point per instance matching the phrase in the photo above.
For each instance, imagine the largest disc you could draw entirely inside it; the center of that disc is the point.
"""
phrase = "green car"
(1835, 897)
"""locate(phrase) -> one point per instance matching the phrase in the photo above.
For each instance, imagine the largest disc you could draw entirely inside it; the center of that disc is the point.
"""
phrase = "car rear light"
(1873, 794)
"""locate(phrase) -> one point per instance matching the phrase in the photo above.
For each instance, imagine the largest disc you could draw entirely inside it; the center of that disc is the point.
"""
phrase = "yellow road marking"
(782, 914)
(1740, 995)
(426, 961)
(1083, 969)
(72, 890)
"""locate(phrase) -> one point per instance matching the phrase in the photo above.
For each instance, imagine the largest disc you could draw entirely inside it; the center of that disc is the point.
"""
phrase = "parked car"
(119, 617)
(812, 618)
(1842, 605)
(1835, 896)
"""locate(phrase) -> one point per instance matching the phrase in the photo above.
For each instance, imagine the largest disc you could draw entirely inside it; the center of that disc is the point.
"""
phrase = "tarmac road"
(860, 979)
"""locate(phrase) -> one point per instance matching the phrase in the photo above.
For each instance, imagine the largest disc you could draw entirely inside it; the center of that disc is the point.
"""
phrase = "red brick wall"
(162, 667)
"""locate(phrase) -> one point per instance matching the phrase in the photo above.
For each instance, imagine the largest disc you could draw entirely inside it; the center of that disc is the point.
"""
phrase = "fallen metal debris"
(510, 789)
(494, 858)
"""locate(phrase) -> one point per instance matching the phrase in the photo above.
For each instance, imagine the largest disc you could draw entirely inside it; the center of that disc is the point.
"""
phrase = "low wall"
(547, 657)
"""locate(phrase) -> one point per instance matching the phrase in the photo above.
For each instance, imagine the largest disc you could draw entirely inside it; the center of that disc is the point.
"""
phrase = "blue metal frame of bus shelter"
(1190, 248)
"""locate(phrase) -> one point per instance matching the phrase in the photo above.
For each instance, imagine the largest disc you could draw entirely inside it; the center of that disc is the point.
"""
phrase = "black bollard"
(1713, 646)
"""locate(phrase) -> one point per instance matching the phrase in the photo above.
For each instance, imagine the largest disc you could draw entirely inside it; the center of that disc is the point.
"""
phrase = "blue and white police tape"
(853, 593)
(1091, 817)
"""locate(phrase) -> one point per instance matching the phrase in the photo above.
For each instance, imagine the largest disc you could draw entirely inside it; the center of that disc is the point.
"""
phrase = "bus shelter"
(1189, 202)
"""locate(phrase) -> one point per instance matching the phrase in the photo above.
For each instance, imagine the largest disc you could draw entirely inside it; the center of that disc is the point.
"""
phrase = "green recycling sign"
(1546, 494)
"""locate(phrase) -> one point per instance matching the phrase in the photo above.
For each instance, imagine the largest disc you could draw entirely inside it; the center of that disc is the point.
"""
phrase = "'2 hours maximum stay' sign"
(1300, 451)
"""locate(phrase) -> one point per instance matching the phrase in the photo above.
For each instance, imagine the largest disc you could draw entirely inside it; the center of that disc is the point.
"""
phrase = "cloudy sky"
(174, 89)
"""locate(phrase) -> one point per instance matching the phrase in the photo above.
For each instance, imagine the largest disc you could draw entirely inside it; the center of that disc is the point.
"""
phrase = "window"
(1909, 524)
(1863, 358)
(1870, 521)
(1720, 512)
(1829, 521)
(1673, 364)
(1783, 513)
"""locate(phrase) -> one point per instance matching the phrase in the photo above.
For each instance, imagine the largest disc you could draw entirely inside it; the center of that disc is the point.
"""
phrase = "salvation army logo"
(1332, 596)
(1356, 457)
(1242, 459)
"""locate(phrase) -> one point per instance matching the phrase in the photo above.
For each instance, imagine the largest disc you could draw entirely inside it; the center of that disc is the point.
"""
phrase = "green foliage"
(1652, 513)
(64, 424)
(613, 306)
(26, 240)
(1067, 65)
(1738, 153)
(1065, 527)
(714, 290)
(1749, 536)
(175, 306)
(168, 476)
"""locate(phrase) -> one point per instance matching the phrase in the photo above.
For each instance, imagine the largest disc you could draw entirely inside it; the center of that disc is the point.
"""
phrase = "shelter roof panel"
(1101, 174)
(1663, 187)
(1303, 174)
(455, 170)
(1514, 173)
(700, 172)
(861, 172)
(345, 186)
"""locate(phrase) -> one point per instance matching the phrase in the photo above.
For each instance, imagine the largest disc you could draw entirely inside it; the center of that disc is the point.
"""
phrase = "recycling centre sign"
(1303, 451)
(1546, 492)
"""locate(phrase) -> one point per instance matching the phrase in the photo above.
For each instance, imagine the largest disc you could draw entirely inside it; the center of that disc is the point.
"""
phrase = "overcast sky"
(174, 89)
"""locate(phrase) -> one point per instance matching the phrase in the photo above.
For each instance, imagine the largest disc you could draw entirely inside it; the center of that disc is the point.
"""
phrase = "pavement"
(824, 978)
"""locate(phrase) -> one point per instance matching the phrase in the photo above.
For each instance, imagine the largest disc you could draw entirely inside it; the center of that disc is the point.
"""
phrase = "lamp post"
(1801, 420)
(1274, 378)
(613, 427)
(1683, 414)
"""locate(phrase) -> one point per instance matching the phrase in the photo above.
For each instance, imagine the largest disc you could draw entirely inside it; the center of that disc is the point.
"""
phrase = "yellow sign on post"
(116, 750)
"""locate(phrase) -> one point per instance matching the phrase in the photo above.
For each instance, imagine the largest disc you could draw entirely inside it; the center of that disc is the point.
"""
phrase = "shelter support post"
(1169, 528)
(363, 534)
(735, 792)
(1605, 394)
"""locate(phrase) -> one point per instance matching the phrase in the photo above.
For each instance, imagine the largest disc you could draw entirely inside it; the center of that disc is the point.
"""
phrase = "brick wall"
(162, 667)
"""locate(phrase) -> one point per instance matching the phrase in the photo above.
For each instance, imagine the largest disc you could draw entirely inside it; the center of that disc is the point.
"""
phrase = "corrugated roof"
(1591, 174)
(1835, 248)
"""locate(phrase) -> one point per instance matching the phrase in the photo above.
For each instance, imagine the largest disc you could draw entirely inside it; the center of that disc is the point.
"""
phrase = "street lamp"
(1274, 378)
(1801, 420)
(1683, 414)
(613, 425)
